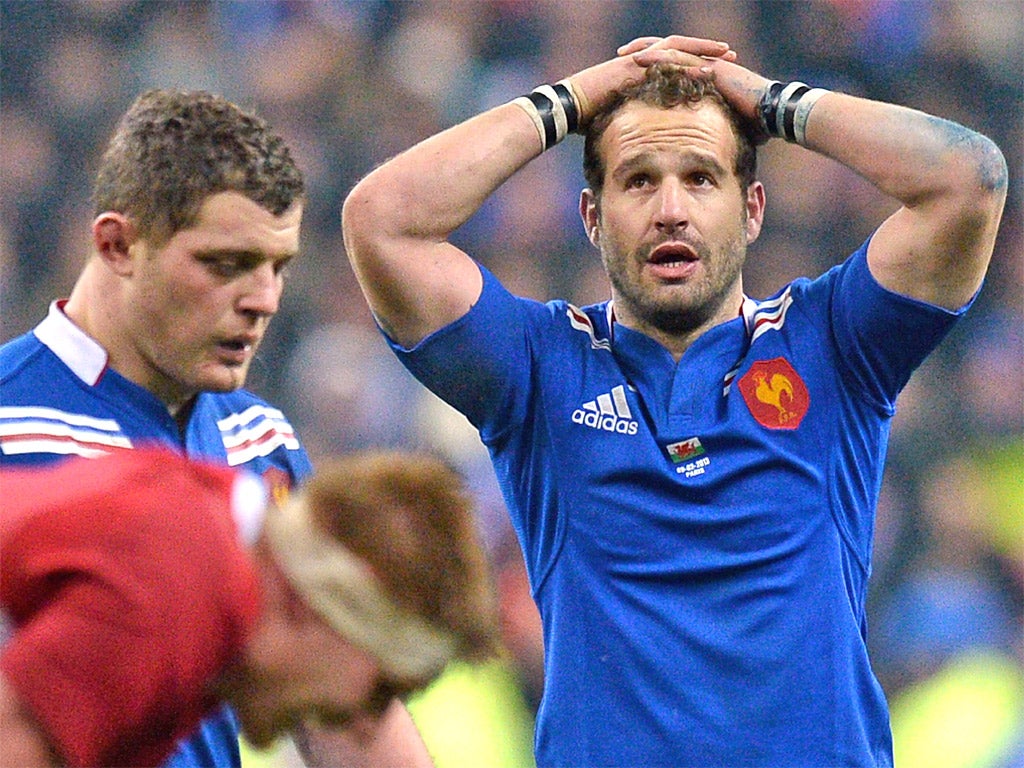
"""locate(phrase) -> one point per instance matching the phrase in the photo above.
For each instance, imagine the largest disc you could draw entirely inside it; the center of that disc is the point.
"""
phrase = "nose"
(261, 291)
(671, 214)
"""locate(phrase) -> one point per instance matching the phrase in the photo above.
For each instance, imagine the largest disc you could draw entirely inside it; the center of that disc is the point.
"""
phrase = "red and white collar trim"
(75, 348)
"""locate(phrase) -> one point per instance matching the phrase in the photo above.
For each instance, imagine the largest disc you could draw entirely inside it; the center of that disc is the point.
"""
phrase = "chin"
(259, 734)
(227, 382)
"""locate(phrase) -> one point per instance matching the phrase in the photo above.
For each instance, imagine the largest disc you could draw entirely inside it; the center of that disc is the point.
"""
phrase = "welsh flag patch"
(684, 450)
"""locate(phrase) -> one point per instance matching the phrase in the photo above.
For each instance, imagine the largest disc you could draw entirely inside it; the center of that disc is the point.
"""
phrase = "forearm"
(433, 188)
(911, 156)
(951, 182)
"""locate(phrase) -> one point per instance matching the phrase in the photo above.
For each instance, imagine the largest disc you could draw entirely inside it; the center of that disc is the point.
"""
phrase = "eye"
(702, 180)
(330, 718)
(282, 267)
(380, 698)
(638, 181)
(222, 266)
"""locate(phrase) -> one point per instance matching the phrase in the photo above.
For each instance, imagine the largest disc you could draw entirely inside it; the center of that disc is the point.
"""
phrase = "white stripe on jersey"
(255, 432)
(766, 316)
(37, 429)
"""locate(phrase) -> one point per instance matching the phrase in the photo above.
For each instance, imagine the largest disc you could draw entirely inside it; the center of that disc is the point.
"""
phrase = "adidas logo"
(609, 412)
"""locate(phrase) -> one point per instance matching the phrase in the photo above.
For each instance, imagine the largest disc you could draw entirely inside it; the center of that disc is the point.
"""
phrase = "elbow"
(976, 186)
(358, 212)
(992, 168)
(991, 173)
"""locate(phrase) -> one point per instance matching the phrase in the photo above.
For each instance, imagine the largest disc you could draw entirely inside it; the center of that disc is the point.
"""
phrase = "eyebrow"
(696, 159)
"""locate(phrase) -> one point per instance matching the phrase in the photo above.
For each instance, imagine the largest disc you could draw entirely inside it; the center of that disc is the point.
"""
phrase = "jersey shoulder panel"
(245, 429)
(16, 355)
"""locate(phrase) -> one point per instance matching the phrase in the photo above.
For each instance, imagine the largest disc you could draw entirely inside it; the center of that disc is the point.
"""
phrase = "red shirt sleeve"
(129, 592)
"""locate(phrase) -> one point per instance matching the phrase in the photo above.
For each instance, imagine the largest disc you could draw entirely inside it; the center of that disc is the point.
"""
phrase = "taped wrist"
(783, 109)
(554, 111)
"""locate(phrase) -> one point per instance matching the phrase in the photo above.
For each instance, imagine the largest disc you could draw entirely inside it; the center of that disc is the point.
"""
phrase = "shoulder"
(19, 354)
(589, 325)
(240, 410)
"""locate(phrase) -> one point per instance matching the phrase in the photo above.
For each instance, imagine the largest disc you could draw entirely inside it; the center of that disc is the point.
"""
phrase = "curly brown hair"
(172, 149)
(667, 86)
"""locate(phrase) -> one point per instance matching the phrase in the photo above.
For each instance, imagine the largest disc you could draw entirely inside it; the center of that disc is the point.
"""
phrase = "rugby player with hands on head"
(700, 548)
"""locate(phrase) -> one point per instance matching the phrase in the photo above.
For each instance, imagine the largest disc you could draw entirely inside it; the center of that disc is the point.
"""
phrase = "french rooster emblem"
(775, 394)
(775, 391)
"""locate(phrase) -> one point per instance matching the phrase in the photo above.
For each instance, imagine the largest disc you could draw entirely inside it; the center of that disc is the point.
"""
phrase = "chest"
(721, 459)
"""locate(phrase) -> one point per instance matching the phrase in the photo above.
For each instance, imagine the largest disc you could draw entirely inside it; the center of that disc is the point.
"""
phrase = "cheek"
(345, 672)
(165, 296)
(615, 233)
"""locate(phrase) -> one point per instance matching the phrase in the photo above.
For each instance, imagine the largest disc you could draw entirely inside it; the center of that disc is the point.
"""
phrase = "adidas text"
(608, 422)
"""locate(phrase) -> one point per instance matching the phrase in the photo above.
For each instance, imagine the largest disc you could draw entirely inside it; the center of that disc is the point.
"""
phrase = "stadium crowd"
(352, 82)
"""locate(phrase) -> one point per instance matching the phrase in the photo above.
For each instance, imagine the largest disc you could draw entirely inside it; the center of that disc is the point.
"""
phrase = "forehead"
(640, 130)
(231, 221)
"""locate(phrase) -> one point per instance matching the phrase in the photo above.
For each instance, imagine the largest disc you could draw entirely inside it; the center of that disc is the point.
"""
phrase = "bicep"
(938, 249)
(430, 286)
(922, 261)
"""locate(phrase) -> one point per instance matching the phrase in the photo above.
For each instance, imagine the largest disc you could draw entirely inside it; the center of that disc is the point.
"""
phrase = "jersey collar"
(75, 348)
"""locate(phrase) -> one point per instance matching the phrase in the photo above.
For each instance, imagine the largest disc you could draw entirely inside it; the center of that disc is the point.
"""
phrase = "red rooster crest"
(775, 394)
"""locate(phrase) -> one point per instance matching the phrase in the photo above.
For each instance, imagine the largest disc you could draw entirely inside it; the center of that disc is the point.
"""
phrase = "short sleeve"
(880, 336)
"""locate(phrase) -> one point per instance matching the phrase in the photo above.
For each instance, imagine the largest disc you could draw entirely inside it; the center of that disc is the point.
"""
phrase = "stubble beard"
(691, 305)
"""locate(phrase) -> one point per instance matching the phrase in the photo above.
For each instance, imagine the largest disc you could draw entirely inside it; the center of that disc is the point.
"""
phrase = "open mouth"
(236, 350)
(672, 254)
(673, 260)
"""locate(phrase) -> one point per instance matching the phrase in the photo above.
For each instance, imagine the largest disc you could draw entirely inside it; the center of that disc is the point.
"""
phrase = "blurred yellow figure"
(476, 716)
(970, 714)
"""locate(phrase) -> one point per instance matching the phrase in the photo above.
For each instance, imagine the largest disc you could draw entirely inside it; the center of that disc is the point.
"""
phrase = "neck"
(87, 298)
(677, 332)
(96, 305)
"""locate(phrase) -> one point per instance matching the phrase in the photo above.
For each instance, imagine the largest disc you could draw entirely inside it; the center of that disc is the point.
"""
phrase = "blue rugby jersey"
(698, 535)
(58, 398)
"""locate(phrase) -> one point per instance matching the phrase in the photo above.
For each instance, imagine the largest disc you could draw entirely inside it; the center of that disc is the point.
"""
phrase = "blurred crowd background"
(352, 82)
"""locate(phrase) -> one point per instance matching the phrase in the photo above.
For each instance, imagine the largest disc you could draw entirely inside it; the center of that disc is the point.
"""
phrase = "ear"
(755, 210)
(113, 234)
(591, 215)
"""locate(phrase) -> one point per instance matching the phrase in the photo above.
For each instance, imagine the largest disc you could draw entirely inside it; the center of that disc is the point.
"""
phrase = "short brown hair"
(409, 516)
(667, 86)
(173, 149)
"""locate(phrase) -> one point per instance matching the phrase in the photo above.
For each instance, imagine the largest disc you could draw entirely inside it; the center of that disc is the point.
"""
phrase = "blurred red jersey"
(125, 590)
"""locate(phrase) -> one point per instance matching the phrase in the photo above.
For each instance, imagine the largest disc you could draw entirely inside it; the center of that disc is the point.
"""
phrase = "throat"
(183, 415)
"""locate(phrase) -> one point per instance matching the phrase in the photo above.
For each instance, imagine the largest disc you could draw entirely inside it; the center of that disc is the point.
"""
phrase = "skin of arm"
(22, 740)
(950, 181)
(397, 220)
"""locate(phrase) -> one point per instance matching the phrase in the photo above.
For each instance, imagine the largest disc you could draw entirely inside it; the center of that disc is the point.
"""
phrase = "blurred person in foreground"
(692, 474)
(198, 205)
(143, 588)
